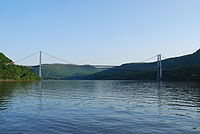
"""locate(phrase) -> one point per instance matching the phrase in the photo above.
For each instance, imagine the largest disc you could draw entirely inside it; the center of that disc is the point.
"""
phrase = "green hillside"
(179, 68)
(4, 59)
(189, 72)
(168, 64)
(9, 71)
(65, 71)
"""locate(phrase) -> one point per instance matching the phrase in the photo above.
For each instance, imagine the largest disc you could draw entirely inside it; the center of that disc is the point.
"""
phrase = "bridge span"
(68, 64)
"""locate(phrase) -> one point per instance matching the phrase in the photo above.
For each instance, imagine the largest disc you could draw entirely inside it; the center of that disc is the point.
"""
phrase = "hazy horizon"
(99, 32)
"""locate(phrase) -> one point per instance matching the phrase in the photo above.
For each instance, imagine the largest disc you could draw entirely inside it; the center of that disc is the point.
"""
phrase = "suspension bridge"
(69, 65)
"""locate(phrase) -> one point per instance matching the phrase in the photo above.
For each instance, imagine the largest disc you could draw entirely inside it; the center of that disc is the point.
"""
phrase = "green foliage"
(65, 71)
(120, 74)
(180, 68)
(4, 59)
(185, 73)
(14, 72)
(187, 60)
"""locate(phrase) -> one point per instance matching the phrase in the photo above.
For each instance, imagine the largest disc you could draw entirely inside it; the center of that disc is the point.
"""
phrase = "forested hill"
(191, 59)
(9, 71)
(4, 59)
(178, 68)
(186, 60)
(65, 71)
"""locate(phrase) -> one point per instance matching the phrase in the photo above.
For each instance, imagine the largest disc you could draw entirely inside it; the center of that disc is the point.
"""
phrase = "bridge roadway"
(75, 66)
(72, 66)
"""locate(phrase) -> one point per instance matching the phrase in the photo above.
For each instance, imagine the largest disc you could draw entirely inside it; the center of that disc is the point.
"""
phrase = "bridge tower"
(159, 67)
(40, 65)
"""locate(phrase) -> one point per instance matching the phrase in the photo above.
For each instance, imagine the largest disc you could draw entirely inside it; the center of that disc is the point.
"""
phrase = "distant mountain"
(9, 71)
(178, 68)
(65, 71)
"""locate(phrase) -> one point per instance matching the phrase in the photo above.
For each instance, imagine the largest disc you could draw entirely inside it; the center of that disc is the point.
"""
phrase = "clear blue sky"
(99, 31)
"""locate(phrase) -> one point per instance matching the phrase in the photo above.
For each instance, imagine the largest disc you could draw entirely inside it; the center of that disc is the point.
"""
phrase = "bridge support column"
(159, 66)
(40, 65)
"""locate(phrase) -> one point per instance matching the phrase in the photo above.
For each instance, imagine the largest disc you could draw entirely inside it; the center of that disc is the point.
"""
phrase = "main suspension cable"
(17, 61)
(68, 62)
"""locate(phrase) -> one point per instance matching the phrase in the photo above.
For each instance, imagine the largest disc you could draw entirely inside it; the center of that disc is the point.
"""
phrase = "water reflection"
(7, 92)
(68, 105)
(137, 95)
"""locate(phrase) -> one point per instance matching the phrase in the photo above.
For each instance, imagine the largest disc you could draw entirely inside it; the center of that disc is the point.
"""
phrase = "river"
(99, 107)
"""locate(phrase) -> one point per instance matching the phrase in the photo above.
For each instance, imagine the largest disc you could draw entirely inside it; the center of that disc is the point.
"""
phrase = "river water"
(99, 107)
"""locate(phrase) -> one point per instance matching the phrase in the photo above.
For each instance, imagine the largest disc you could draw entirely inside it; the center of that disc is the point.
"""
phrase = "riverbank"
(1, 80)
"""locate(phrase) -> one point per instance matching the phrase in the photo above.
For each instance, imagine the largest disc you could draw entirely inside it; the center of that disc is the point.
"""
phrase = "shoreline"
(1, 80)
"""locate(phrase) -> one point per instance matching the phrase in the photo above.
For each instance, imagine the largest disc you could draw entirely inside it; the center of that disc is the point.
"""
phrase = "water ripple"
(102, 107)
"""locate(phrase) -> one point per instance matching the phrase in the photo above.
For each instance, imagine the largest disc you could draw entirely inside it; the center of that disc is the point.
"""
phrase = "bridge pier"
(159, 67)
